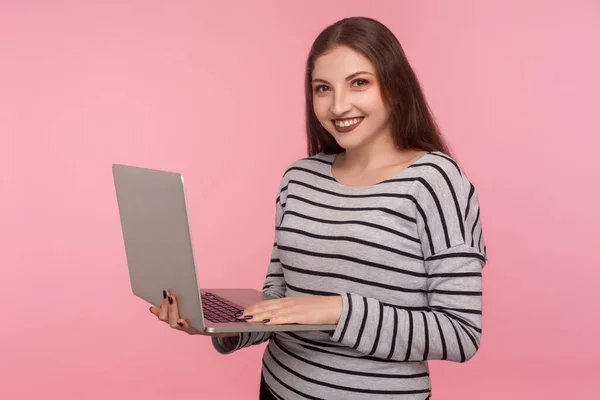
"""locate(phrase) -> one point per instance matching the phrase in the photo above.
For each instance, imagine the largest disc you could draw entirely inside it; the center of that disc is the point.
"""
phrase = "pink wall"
(214, 90)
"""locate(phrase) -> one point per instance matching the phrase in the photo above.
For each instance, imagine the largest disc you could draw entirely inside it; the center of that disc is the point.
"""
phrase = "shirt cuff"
(336, 335)
(226, 345)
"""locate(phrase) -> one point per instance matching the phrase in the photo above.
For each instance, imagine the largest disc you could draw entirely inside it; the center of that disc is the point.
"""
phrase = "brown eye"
(360, 82)
(321, 88)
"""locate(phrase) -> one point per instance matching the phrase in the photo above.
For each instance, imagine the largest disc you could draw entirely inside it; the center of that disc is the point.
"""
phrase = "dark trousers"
(265, 393)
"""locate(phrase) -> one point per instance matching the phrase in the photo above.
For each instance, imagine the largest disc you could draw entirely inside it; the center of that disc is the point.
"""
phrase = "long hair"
(413, 125)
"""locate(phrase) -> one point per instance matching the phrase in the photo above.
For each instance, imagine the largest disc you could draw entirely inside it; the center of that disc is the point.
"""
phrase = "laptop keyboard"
(217, 309)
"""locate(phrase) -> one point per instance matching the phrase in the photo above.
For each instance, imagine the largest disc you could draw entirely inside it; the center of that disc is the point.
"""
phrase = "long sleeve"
(273, 286)
(449, 228)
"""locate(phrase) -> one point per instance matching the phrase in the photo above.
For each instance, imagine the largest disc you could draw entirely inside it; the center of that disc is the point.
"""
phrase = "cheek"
(373, 104)
(321, 108)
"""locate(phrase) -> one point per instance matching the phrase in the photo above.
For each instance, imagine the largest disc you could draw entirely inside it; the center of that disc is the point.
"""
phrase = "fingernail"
(170, 300)
(248, 317)
(150, 308)
(239, 313)
(164, 294)
(266, 320)
(180, 324)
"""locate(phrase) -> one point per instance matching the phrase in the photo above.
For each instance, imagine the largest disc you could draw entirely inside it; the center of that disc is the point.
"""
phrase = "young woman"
(378, 232)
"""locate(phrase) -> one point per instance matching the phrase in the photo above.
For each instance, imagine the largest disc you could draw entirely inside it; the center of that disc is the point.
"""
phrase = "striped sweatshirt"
(405, 255)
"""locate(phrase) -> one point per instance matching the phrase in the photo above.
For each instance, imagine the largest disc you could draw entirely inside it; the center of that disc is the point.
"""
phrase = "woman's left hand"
(309, 310)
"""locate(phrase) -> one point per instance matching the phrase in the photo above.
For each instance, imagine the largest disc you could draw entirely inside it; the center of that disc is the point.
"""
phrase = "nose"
(340, 104)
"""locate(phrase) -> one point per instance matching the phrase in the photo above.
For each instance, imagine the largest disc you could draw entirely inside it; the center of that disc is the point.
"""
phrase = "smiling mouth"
(347, 124)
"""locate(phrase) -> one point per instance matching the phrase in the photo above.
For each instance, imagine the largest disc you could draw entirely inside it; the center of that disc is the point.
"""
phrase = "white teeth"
(347, 123)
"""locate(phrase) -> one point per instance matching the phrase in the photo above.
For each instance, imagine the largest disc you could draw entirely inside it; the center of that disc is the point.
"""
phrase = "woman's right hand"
(169, 312)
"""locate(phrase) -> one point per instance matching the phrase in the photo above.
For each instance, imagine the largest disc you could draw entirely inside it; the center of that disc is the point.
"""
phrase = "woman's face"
(347, 98)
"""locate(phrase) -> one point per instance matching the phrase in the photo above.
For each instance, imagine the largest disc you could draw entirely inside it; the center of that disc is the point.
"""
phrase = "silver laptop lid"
(157, 238)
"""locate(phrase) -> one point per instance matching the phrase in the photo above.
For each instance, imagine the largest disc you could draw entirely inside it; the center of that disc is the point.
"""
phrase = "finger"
(260, 316)
(163, 315)
(184, 326)
(262, 307)
(284, 318)
(266, 310)
(173, 310)
(182, 323)
(155, 310)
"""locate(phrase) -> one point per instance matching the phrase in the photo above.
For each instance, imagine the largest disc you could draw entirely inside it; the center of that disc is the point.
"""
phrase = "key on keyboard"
(217, 309)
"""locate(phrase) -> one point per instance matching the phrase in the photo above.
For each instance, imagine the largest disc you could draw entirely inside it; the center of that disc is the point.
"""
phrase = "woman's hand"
(169, 312)
(310, 310)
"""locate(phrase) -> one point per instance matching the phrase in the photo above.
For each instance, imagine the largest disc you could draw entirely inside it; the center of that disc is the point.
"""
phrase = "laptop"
(160, 256)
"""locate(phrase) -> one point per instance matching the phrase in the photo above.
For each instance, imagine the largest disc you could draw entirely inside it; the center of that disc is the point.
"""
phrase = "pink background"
(214, 90)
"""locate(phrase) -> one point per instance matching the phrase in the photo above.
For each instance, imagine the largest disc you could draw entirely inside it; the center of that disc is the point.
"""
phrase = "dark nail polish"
(180, 324)
(266, 320)
(239, 313)
(164, 294)
(248, 317)
(170, 300)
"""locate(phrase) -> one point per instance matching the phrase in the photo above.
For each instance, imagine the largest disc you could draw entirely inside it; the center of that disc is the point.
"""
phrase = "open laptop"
(160, 256)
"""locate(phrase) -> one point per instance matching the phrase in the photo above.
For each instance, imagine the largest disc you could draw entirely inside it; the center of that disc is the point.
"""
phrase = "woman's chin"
(348, 143)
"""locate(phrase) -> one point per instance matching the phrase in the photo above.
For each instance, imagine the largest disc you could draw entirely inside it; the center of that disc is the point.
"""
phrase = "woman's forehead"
(341, 62)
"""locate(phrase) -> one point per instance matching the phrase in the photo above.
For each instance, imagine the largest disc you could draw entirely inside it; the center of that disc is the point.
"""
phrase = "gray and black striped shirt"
(406, 256)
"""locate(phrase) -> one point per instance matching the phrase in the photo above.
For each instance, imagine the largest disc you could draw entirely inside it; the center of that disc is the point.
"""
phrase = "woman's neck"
(374, 155)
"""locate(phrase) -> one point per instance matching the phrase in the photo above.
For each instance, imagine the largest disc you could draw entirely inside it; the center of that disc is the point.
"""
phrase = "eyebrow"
(349, 77)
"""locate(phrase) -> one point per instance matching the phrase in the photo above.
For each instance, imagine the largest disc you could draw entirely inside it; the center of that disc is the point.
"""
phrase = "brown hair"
(413, 125)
